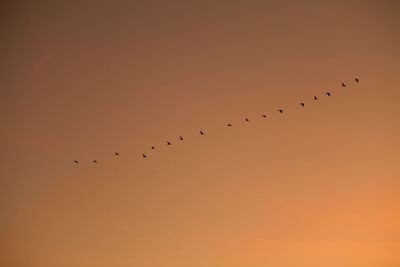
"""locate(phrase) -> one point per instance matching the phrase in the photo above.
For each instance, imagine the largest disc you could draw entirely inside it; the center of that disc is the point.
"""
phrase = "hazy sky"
(318, 186)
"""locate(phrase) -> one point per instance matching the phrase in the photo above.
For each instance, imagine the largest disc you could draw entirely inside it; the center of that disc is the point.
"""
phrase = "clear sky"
(314, 186)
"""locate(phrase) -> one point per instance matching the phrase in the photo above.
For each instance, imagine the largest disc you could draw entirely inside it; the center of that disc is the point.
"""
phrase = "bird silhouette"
(168, 143)
(315, 98)
(302, 104)
(181, 138)
(328, 94)
(144, 155)
(94, 161)
(153, 147)
(343, 85)
(280, 110)
(246, 119)
(201, 133)
(356, 80)
(116, 153)
(229, 125)
(75, 161)
(264, 116)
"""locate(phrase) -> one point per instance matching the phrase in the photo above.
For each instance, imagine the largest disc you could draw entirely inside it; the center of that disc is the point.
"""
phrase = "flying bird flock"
(246, 120)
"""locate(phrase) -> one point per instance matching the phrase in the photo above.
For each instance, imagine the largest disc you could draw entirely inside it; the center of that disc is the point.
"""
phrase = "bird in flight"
(144, 155)
(168, 143)
(264, 116)
(116, 153)
(302, 104)
(356, 80)
(280, 110)
(229, 125)
(328, 94)
(75, 161)
(153, 147)
(343, 85)
(94, 161)
(181, 138)
(315, 98)
(246, 119)
(201, 133)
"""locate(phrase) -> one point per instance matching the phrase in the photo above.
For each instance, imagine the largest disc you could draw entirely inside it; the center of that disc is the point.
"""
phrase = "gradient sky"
(318, 186)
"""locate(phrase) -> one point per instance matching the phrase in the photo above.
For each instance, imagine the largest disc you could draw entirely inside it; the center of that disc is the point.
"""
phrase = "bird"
(229, 125)
(75, 161)
(328, 94)
(168, 143)
(315, 98)
(181, 138)
(94, 161)
(302, 104)
(356, 80)
(153, 147)
(343, 85)
(201, 133)
(246, 119)
(280, 110)
(264, 116)
(116, 153)
(144, 155)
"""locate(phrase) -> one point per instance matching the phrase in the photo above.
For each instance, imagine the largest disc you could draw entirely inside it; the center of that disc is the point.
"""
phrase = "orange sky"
(317, 186)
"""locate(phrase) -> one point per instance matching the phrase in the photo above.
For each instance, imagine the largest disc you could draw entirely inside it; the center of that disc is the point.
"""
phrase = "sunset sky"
(314, 186)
